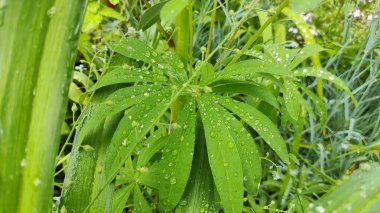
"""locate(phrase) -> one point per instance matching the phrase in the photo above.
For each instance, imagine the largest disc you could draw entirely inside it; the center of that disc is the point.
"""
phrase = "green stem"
(232, 37)
(210, 33)
(259, 32)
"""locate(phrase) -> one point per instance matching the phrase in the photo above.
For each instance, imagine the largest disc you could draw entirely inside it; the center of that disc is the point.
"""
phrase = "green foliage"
(357, 193)
(226, 122)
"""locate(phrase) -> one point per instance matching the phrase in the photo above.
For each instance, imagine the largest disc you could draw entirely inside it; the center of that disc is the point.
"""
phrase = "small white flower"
(357, 13)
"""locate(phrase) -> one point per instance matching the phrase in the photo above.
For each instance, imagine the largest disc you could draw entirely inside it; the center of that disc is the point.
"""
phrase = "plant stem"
(240, 23)
(210, 33)
(258, 32)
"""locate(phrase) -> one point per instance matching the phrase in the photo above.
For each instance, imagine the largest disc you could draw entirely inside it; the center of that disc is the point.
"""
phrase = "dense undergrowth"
(220, 106)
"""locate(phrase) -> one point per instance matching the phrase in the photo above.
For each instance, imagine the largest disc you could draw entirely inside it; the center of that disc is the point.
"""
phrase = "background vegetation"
(173, 65)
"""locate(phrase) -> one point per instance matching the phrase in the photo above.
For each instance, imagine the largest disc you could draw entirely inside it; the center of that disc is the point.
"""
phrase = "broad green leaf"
(177, 158)
(137, 49)
(200, 194)
(85, 177)
(259, 122)
(324, 74)
(300, 6)
(139, 202)
(133, 127)
(119, 75)
(75, 92)
(292, 99)
(223, 157)
(207, 72)
(305, 53)
(251, 68)
(116, 102)
(91, 21)
(109, 12)
(120, 198)
(151, 16)
(246, 88)
(172, 9)
(246, 147)
(154, 143)
(358, 193)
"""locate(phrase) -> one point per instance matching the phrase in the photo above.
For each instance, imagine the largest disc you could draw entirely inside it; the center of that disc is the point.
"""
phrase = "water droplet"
(173, 180)
(231, 145)
(52, 11)
(175, 152)
(23, 162)
(37, 182)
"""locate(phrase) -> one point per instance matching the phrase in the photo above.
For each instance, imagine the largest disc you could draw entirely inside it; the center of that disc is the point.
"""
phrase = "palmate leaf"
(322, 73)
(177, 157)
(305, 53)
(251, 68)
(120, 198)
(154, 143)
(246, 147)
(133, 127)
(139, 202)
(258, 121)
(200, 194)
(223, 158)
(246, 88)
(136, 49)
(114, 103)
(119, 75)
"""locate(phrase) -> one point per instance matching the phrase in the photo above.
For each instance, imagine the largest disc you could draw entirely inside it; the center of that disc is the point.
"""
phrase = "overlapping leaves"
(160, 150)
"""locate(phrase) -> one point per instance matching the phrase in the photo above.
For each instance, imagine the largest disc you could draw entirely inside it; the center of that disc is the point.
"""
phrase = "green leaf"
(85, 177)
(200, 194)
(246, 147)
(300, 6)
(154, 143)
(120, 198)
(177, 158)
(136, 49)
(119, 75)
(139, 202)
(114, 103)
(324, 74)
(251, 68)
(224, 158)
(292, 99)
(91, 19)
(246, 88)
(172, 9)
(259, 122)
(114, 2)
(305, 53)
(133, 127)
(109, 12)
(358, 193)
(207, 72)
(151, 16)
